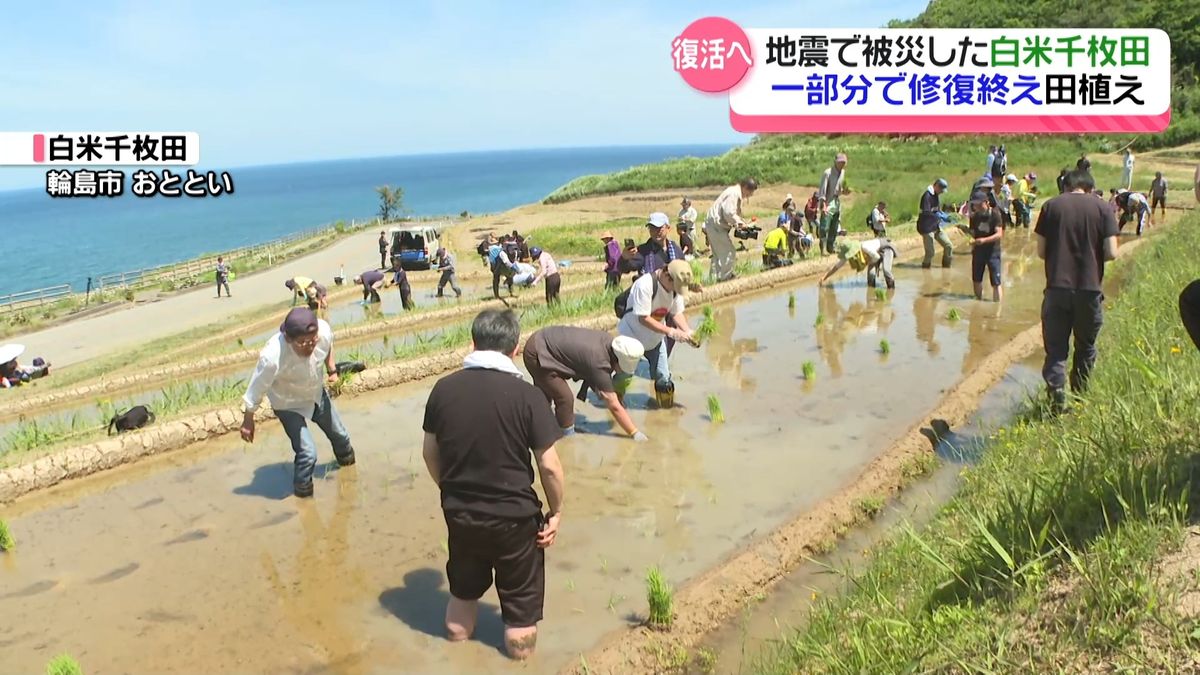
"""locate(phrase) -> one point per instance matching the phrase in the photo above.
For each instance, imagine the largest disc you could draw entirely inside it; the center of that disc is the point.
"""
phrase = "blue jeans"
(303, 444)
(660, 372)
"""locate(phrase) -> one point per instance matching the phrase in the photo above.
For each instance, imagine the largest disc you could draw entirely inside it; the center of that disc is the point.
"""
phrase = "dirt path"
(89, 338)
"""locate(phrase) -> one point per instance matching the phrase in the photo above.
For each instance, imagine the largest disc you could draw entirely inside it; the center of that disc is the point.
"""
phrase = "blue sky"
(267, 83)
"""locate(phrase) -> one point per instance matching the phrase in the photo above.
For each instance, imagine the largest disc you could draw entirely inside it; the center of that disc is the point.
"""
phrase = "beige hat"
(629, 352)
(607, 235)
(681, 276)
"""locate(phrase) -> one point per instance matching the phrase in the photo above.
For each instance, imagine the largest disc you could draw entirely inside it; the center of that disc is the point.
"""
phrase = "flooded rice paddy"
(201, 561)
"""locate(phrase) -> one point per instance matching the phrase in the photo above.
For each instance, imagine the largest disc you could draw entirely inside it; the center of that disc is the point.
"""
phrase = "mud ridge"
(79, 461)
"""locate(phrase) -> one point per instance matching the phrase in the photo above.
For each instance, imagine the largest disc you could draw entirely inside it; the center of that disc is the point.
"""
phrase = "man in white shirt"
(289, 375)
(687, 212)
(656, 301)
(724, 215)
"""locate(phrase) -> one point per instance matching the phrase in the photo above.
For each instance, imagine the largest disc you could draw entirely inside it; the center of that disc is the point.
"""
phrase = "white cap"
(789, 196)
(629, 351)
(11, 351)
(1011, 178)
(658, 220)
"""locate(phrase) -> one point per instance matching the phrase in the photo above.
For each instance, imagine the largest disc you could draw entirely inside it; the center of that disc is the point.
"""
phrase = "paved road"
(89, 338)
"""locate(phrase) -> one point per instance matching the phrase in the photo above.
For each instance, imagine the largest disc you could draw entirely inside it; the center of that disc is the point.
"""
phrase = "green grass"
(870, 506)
(659, 597)
(1047, 559)
(885, 347)
(63, 665)
(810, 370)
(7, 543)
(583, 239)
(819, 321)
(891, 169)
(708, 324)
(714, 409)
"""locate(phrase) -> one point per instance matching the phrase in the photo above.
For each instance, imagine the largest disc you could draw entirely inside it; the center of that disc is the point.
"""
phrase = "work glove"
(639, 437)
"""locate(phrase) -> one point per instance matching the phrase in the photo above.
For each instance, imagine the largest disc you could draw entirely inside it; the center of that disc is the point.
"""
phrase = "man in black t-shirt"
(986, 229)
(1076, 235)
(480, 425)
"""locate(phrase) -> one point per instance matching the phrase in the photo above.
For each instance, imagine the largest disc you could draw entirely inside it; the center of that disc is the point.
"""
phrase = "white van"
(414, 245)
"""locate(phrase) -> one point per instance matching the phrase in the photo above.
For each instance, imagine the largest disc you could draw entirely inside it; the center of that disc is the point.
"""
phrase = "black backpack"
(621, 302)
(998, 164)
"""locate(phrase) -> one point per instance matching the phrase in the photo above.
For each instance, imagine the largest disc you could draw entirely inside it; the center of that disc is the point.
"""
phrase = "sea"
(50, 241)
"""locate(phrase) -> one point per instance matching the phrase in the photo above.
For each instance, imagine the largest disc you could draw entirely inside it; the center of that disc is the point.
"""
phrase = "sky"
(275, 82)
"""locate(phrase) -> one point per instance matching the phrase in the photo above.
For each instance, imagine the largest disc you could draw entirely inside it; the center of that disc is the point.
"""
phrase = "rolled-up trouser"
(448, 277)
(553, 286)
(660, 372)
(887, 256)
(940, 236)
(1065, 312)
(326, 417)
(831, 222)
(723, 254)
(1189, 310)
(554, 387)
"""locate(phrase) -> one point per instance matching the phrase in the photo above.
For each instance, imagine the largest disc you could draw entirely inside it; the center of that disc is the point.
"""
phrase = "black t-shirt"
(928, 220)
(985, 224)
(486, 422)
(1075, 226)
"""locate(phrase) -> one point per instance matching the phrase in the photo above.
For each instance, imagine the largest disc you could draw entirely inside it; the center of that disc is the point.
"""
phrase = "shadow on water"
(274, 481)
(421, 604)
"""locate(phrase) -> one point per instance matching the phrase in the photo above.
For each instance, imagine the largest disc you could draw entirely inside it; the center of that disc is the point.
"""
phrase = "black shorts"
(482, 544)
(985, 259)
(1156, 201)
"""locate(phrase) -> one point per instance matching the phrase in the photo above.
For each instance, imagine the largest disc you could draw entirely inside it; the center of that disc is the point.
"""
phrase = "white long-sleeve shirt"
(726, 210)
(288, 381)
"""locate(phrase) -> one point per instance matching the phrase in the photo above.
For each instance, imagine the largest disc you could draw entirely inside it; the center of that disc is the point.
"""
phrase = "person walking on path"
(658, 250)
(1127, 174)
(289, 374)
(1076, 235)
(1084, 164)
(829, 201)
(548, 271)
(612, 261)
(478, 454)
(445, 263)
(871, 255)
(724, 216)
(383, 249)
(372, 282)
(929, 223)
(986, 228)
(556, 354)
(223, 277)
(1158, 195)
(1027, 192)
(654, 312)
(313, 293)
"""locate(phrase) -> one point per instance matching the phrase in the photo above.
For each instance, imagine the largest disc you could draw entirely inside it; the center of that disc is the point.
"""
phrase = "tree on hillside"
(391, 201)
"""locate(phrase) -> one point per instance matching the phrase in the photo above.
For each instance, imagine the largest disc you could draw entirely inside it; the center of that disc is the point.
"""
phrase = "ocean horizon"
(67, 240)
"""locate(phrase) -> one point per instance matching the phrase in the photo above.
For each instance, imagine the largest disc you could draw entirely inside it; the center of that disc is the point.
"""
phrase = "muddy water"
(775, 616)
(200, 561)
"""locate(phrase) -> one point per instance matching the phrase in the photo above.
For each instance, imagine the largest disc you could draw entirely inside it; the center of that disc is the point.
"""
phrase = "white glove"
(639, 437)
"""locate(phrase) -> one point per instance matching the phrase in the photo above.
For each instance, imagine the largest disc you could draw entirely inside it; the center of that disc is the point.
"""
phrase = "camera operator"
(724, 217)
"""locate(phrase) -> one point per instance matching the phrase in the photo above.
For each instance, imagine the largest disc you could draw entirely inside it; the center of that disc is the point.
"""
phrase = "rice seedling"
(63, 664)
(708, 325)
(819, 321)
(791, 301)
(880, 294)
(7, 543)
(810, 370)
(659, 597)
(714, 409)
(954, 314)
(885, 347)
